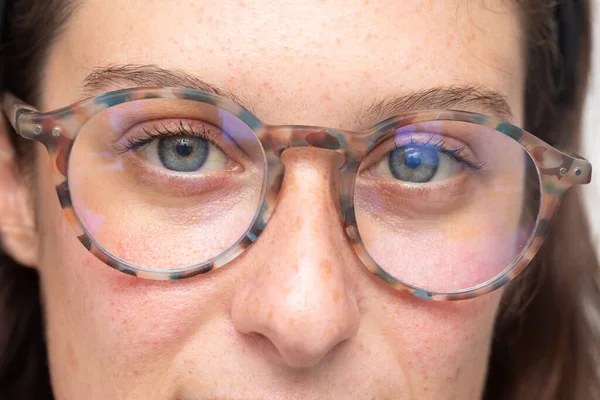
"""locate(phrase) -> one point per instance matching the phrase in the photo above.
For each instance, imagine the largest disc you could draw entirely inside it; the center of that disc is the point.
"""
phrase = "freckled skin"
(296, 316)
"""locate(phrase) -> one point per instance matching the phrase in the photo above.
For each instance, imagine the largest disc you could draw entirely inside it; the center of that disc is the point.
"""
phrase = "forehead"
(309, 61)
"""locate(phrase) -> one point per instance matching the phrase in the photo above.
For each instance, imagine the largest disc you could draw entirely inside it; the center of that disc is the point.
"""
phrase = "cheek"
(443, 258)
(109, 316)
(100, 319)
(442, 346)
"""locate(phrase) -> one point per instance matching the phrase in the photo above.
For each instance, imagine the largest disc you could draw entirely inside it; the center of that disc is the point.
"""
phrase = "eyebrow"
(471, 96)
(148, 75)
(442, 97)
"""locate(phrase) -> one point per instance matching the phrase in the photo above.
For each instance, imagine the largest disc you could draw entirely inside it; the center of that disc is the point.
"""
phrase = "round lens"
(166, 183)
(445, 205)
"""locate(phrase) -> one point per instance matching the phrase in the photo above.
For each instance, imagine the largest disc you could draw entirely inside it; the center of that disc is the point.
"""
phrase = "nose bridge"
(298, 296)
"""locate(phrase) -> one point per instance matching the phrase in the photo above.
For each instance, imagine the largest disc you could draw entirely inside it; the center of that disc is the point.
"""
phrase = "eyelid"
(394, 141)
(191, 127)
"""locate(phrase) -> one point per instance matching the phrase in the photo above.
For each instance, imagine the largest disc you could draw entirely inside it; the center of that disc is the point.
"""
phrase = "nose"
(298, 292)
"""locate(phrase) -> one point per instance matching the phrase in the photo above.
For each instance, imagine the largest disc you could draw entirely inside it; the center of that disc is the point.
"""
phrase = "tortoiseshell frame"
(57, 130)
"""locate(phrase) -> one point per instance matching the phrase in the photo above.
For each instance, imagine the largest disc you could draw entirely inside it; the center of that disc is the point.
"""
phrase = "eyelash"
(136, 143)
(453, 154)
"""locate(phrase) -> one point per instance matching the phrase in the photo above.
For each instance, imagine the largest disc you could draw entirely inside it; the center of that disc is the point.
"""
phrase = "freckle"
(326, 265)
(73, 362)
(338, 40)
(383, 307)
(291, 322)
(125, 322)
(298, 223)
(242, 4)
(361, 346)
(270, 315)
(336, 296)
(326, 97)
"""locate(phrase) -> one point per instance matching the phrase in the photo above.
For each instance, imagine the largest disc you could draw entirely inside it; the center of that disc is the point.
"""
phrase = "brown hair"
(546, 344)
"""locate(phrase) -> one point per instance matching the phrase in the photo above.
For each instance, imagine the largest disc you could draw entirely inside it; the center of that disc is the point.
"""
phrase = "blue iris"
(183, 154)
(414, 163)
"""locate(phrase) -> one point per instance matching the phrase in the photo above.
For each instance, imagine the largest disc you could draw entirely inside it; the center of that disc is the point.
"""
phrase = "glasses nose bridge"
(285, 137)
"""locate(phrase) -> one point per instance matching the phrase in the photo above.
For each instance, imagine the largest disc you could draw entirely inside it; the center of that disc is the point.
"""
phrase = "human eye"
(425, 159)
(423, 169)
(189, 147)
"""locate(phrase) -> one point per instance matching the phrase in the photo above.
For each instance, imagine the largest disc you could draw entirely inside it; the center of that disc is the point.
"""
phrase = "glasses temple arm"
(12, 107)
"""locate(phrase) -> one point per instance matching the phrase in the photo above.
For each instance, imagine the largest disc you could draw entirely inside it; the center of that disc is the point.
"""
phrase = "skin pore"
(297, 315)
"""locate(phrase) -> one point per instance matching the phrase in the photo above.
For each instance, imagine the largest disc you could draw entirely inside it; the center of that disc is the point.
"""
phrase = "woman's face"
(297, 315)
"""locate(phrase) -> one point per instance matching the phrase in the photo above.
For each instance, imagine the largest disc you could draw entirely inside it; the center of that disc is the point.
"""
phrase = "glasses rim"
(58, 129)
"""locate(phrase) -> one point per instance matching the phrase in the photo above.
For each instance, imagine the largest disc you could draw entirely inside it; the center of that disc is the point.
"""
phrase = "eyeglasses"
(168, 183)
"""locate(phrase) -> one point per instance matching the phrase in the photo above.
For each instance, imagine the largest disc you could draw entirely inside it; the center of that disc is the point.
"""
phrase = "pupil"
(413, 158)
(184, 148)
(185, 154)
